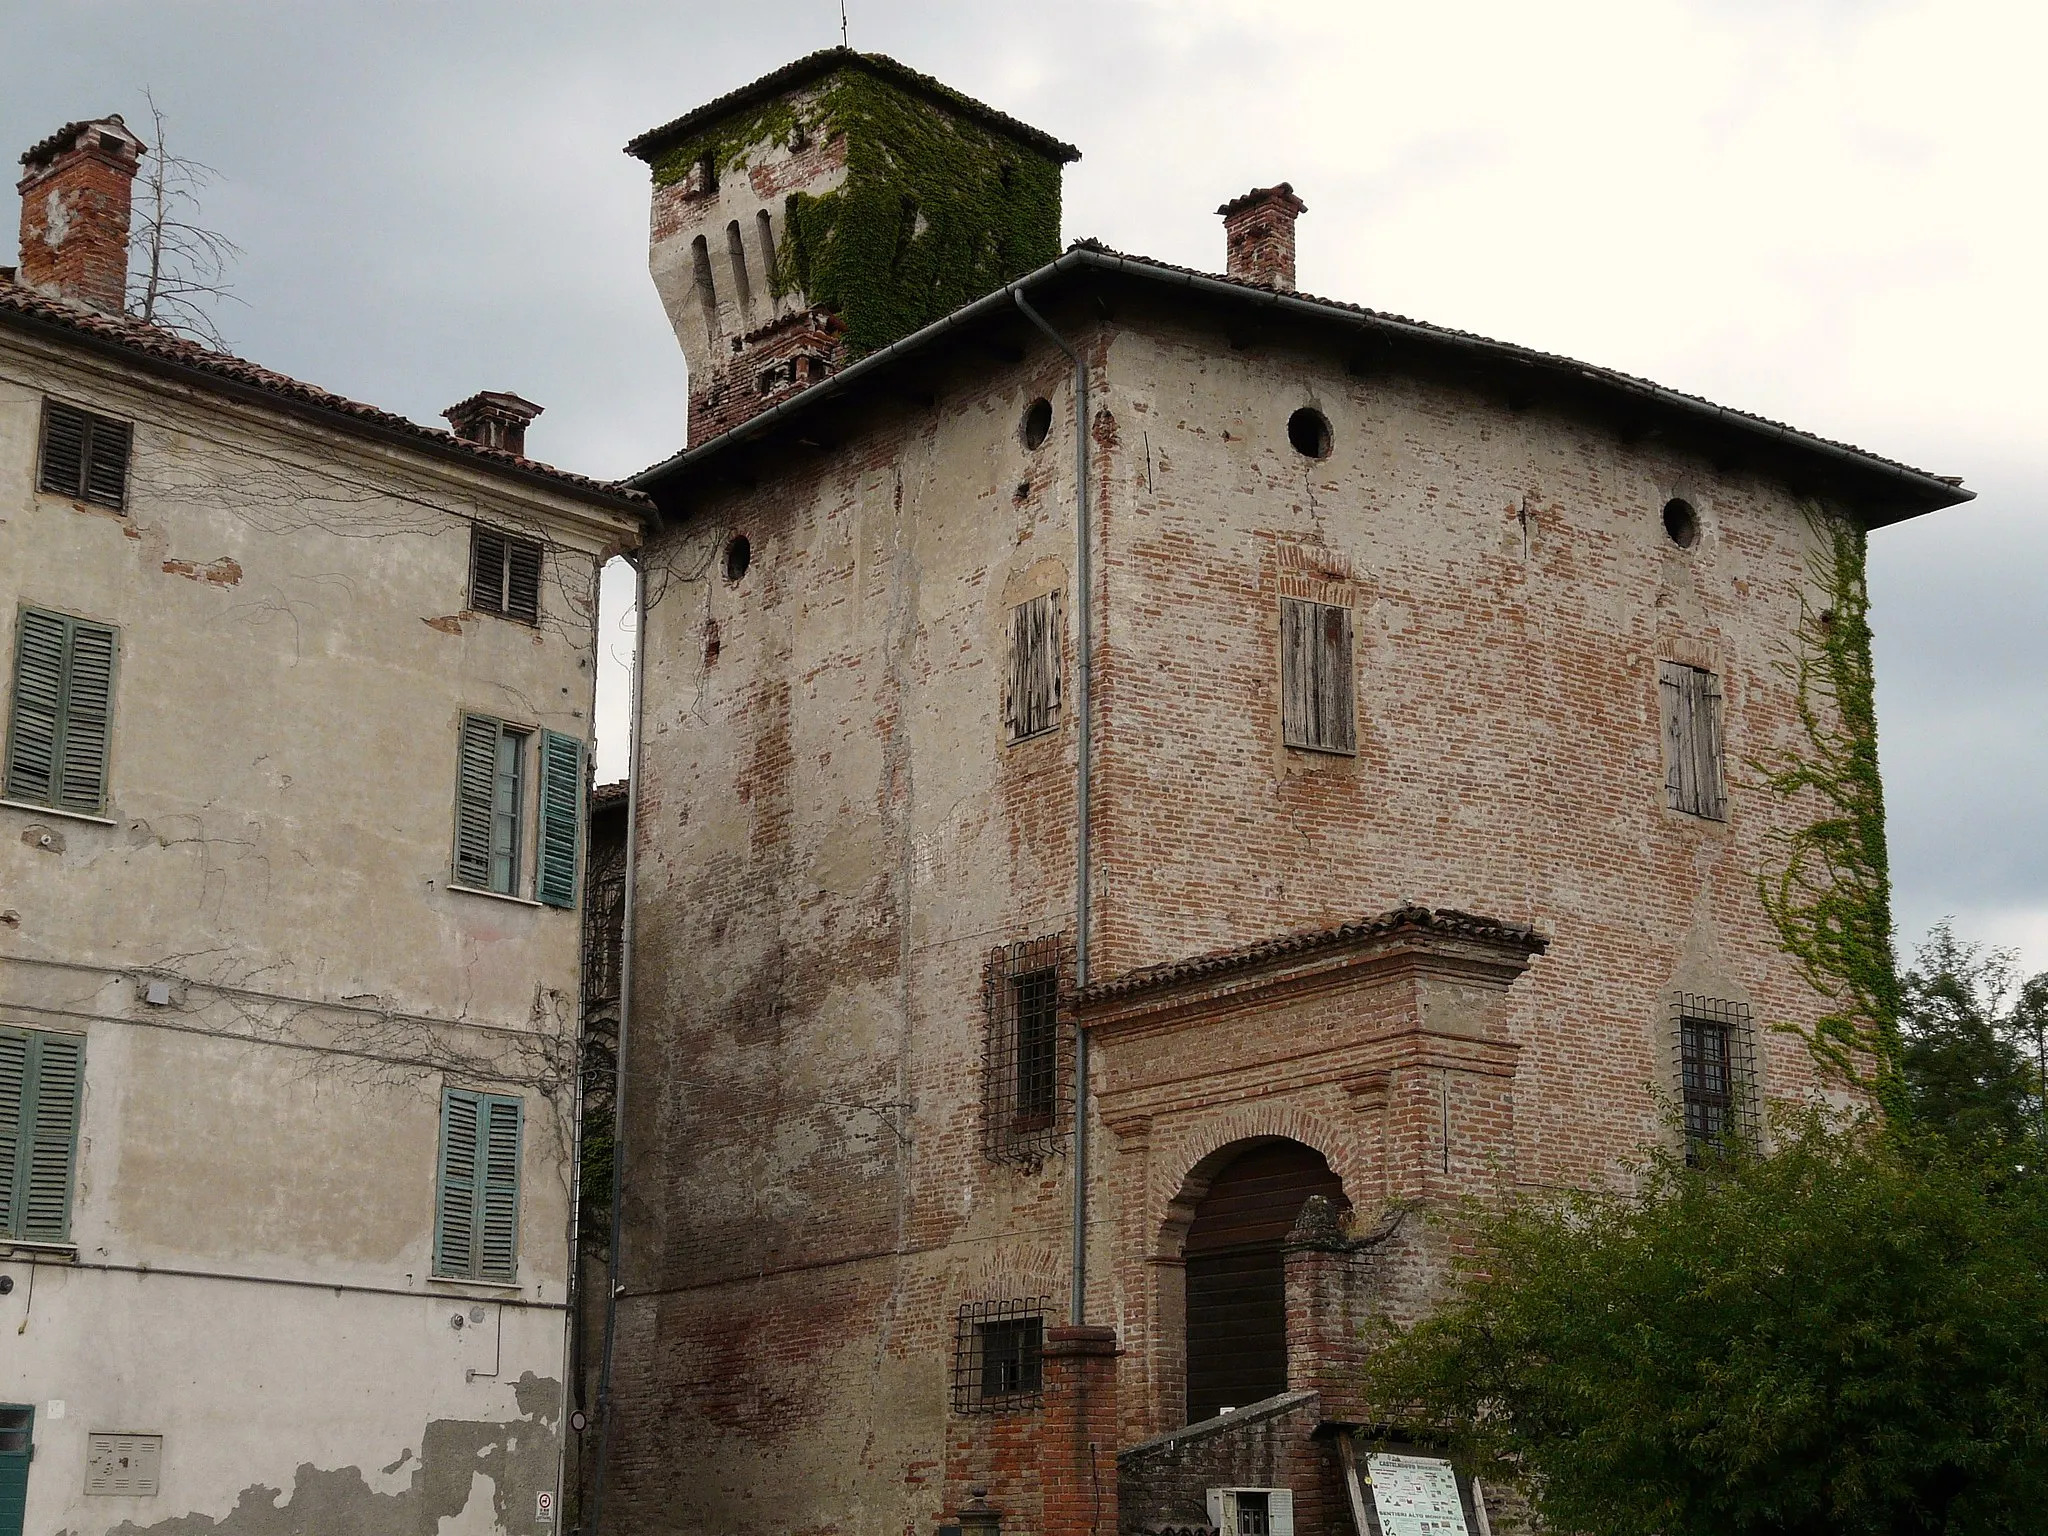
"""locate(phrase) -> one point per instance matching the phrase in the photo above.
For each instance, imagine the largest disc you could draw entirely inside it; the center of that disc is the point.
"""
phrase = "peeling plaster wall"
(254, 1201)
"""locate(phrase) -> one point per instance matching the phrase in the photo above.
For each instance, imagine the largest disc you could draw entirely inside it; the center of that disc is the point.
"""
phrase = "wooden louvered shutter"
(522, 580)
(561, 817)
(64, 432)
(49, 1133)
(106, 462)
(486, 570)
(475, 794)
(13, 1099)
(497, 1247)
(33, 724)
(88, 717)
(455, 1195)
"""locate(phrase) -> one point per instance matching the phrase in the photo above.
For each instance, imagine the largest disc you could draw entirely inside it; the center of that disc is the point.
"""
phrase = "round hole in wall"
(1037, 421)
(1309, 430)
(1681, 523)
(739, 554)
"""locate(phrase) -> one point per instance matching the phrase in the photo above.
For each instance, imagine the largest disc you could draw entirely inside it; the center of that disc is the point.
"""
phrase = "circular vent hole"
(1309, 430)
(1681, 523)
(1037, 421)
(738, 556)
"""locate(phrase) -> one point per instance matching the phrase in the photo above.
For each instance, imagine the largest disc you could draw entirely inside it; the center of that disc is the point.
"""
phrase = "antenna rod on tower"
(842, 24)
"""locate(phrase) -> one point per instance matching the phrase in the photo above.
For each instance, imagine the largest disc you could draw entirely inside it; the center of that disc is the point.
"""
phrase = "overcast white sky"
(1825, 211)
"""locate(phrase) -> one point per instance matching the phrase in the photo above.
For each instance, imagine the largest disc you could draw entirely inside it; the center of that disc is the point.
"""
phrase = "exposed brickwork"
(1077, 1449)
(75, 206)
(1258, 236)
(1165, 1482)
(764, 368)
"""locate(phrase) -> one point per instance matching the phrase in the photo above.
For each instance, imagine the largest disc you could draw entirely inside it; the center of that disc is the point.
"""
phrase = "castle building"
(1330, 735)
(297, 700)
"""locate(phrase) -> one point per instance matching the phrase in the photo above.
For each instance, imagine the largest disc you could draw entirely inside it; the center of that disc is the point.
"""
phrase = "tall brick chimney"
(494, 419)
(1258, 228)
(75, 199)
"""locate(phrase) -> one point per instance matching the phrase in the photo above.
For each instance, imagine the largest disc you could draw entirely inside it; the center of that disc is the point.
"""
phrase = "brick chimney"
(1258, 228)
(494, 419)
(75, 199)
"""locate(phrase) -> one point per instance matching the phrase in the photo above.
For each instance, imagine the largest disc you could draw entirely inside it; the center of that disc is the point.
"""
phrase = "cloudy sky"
(1824, 211)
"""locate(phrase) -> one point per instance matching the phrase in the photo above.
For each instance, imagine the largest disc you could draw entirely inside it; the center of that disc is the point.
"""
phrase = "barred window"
(1028, 1055)
(998, 1352)
(1716, 1074)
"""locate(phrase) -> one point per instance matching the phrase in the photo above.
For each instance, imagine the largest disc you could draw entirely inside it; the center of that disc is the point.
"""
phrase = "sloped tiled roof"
(153, 346)
(1443, 921)
(824, 62)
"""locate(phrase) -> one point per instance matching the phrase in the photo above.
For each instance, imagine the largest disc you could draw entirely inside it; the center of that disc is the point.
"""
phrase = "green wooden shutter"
(106, 463)
(61, 722)
(456, 1187)
(522, 580)
(497, 1248)
(88, 717)
(476, 788)
(13, 1096)
(56, 1082)
(17, 1433)
(32, 728)
(486, 570)
(561, 817)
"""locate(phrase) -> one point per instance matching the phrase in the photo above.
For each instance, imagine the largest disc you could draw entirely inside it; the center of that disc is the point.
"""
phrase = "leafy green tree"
(1847, 1336)
(1969, 1076)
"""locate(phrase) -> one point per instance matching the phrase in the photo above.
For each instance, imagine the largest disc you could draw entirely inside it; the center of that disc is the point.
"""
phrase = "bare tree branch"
(182, 265)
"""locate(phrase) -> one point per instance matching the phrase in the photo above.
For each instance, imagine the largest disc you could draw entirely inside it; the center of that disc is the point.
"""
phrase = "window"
(504, 574)
(85, 456)
(1024, 1108)
(61, 719)
(42, 1078)
(1716, 1074)
(1317, 712)
(476, 1204)
(1692, 740)
(1032, 705)
(1258, 1512)
(998, 1356)
(490, 792)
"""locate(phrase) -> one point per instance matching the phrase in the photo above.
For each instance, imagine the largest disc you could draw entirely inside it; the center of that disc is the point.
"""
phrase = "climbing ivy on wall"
(1830, 898)
(935, 210)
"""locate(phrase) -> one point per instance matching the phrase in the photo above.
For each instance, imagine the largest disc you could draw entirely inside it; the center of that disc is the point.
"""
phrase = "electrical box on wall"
(125, 1466)
(1252, 1511)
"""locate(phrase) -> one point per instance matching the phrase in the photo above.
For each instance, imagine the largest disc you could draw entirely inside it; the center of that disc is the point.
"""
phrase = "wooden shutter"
(61, 721)
(13, 1098)
(1707, 737)
(1034, 700)
(497, 1255)
(106, 462)
(486, 569)
(64, 432)
(1280, 1512)
(42, 1078)
(1690, 699)
(456, 1188)
(522, 580)
(1318, 702)
(561, 817)
(1680, 769)
(1336, 713)
(475, 794)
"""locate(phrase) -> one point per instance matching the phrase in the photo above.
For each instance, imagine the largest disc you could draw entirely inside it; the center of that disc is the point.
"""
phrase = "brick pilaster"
(1078, 1430)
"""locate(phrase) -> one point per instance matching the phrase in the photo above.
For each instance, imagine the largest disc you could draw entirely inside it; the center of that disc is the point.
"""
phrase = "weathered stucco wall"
(249, 1272)
(834, 835)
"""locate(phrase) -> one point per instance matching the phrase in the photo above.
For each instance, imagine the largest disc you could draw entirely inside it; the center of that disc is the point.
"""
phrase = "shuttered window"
(561, 818)
(1033, 704)
(476, 1205)
(84, 456)
(42, 1078)
(1317, 710)
(490, 791)
(504, 574)
(1692, 740)
(60, 719)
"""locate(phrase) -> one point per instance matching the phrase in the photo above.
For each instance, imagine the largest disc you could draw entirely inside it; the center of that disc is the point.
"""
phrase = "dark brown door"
(1237, 1301)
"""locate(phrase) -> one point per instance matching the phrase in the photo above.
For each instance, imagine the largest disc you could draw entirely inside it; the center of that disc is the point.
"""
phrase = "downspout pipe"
(591, 1519)
(1084, 584)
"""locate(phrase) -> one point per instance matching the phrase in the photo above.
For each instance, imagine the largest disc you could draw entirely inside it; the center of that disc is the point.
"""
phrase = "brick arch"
(1200, 1153)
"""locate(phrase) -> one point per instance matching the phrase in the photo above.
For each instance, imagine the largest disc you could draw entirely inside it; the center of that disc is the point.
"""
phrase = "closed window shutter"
(456, 1189)
(1280, 1512)
(497, 1255)
(33, 724)
(561, 817)
(56, 1080)
(64, 433)
(13, 1099)
(1335, 711)
(88, 716)
(1318, 700)
(486, 570)
(106, 463)
(1679, 766)
(1690, 698)
(1707, 733)
(522, 580)
(1034, 700)
(476, 792)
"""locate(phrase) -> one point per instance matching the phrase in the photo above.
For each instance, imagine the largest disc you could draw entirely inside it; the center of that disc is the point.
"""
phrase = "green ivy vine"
(1830, 898)
(935, 210)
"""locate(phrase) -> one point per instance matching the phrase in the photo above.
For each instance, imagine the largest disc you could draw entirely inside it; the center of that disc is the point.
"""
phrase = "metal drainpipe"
(1084, 669)
(589, 1519)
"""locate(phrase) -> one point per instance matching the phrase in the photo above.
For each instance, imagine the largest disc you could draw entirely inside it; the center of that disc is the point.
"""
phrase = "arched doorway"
(1236, 1287)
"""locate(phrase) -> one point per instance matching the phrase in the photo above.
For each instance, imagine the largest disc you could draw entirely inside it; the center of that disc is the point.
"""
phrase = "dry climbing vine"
(1830, 897)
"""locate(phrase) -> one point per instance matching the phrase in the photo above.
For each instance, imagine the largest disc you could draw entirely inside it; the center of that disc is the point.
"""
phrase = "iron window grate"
(1716, 1061)
(998, 1356)
(1028, 1059)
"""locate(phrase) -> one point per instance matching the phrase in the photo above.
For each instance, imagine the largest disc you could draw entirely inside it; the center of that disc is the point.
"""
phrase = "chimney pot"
(1258, 230)
(493, 419)
(76, 198)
